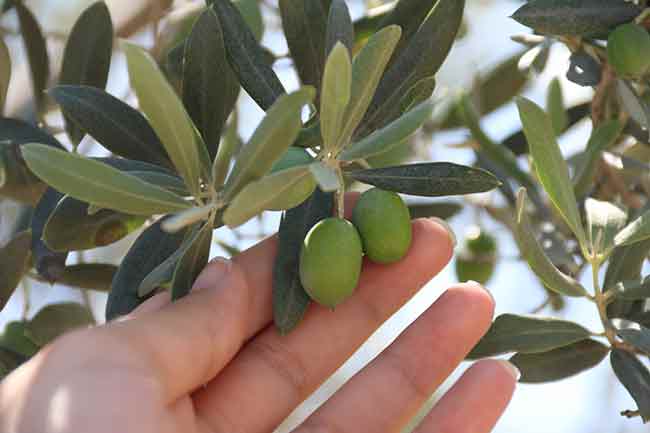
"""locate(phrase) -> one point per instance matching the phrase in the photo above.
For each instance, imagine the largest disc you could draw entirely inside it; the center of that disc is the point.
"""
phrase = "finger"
(155, 303)
(289, 368)
(390, 390)
(465, 408)
(186, 344)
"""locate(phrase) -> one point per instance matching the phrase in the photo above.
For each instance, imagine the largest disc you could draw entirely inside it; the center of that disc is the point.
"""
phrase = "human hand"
(213, 362)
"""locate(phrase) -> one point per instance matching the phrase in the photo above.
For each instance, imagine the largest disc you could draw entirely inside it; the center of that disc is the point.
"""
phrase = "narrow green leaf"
(416, 95)
(339, 27)
(166, 181)
(166, 113)
(17, 132)
(604, 220)
(150, 249)
(442, 210)
(263, 194)
(428, 179)
(251, 12)
(48, 264)
(210, 87)
(229, 146)
(89, 276)
(13, 338)
(335, 97)
(70, 227)
(550, 165)
(409, 15)
(305, 26)
(87, 55)
(246, 56)
(500, 155)
(601, 139)
(114, 124)
(634, 232)
(36, 47)
(632, 290)
(425, 52)
(55, 320)
(575, 18)
(367, 70)
(527, 334)
(556, 108)
(13, 263)
(326, 177)
(270, 140)
(639, 338)
(390, 136)
(559, 363)
(540, 264)
(192, 262)
(5, 73)
(635, 377)
(97, 183)
(290, 301)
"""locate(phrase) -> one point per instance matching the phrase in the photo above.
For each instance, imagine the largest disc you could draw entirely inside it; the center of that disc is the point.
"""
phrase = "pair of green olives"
(332, 253)
(628, 50)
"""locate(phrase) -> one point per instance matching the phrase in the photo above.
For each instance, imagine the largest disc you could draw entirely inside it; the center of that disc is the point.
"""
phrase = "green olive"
(384, 223)
(302, 190)
(330, 261)
(14, 338)
(477, 259)
(628, 50)
(480, 243)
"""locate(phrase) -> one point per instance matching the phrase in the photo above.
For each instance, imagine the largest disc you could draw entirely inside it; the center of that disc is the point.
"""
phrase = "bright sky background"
(587, 403)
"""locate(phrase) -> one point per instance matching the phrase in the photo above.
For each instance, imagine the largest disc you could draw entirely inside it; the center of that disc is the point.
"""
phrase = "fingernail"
(476, 283)
(511, 369)
(216, 270)
(447, 227)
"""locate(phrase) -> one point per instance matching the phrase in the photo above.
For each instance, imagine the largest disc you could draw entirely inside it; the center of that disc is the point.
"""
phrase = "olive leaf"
(385, 139)
(326, 177)
(632, 290)
(550, 165)
(555, 107)
(192, 262)
(230, 144)
(559, 363)
(166, 114)
(367, 70)
(421, 58)
(13, 338)
(537, 259)
(305, 26)
(601, 139)
(636, 231)
(604, 220)
(49, 264)
(527, 334)
(5, 73)
(575, 17)
(251, 12)
(55, 320)
(16, 132)
(409, 15)
(500, 155)
(166, 181)
(87, 55)
(428, 179)
(416, 95)
(442, 210)
(635, 377)
(263, 194)
(98, 183)
(148, 251)
(335, 97)
(639, 338)
(270, 140)
(246, 57)
(13, 263)
(290, 301)
(114, 124)
(89, 276)
(69, 227)
(210, 87)
(36, 48)
(339, 27)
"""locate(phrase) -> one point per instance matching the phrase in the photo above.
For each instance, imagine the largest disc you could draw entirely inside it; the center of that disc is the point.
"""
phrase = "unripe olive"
(330, 261)
(302, 190)
(628, 50)
(477, 259)
(384, 223)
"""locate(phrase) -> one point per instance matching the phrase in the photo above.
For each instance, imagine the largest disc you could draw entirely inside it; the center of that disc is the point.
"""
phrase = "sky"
(587, 403)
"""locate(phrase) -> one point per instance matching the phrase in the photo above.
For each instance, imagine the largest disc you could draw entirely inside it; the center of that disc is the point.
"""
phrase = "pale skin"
(214, 363)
